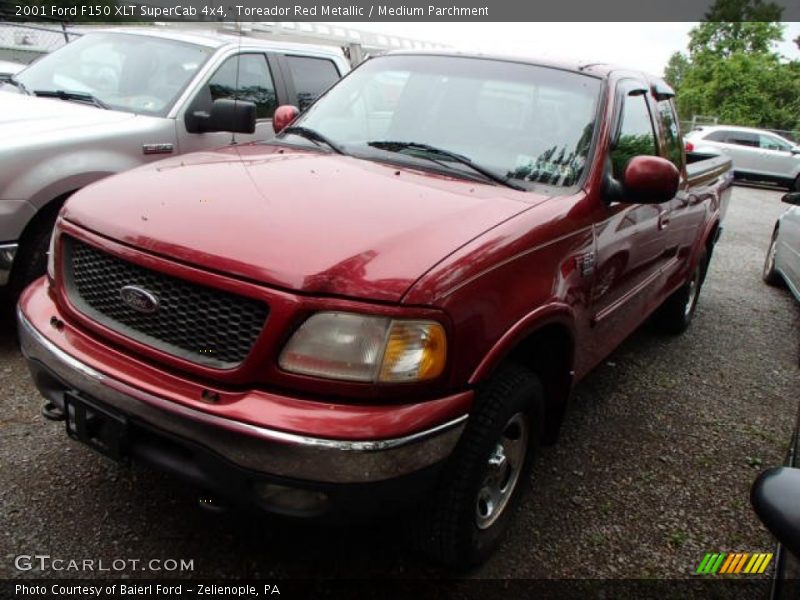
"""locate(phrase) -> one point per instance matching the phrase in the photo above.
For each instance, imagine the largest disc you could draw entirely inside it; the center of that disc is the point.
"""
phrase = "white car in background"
(757, 155)
(782, 265)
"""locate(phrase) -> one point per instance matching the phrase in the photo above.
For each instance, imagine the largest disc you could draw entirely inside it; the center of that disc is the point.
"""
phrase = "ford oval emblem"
(139, 299)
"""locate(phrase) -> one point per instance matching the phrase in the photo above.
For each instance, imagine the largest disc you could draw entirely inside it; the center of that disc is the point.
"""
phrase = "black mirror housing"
(775, 497)
(235, 116)
(792, 198)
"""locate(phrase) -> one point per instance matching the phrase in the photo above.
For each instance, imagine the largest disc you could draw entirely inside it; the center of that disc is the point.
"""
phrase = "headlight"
(51, 255)
(339, 345)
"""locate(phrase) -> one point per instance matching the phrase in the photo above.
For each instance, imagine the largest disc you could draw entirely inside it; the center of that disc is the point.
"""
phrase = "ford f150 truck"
(115, 99)
(388, 304)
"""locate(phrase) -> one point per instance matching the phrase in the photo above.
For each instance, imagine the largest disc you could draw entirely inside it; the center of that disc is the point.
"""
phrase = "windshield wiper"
(314, 136)
(16, 82)
(391, 146)
(67, 95)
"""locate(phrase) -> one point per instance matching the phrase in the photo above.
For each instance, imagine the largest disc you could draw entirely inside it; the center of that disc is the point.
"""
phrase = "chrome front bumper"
(7, 254)
(259, 449)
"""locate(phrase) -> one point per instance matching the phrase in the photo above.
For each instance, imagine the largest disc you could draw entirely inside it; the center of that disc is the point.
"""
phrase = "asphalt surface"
(652, 471)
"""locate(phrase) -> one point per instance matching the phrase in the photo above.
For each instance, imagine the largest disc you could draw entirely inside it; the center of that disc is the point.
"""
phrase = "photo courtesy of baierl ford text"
(466, 299)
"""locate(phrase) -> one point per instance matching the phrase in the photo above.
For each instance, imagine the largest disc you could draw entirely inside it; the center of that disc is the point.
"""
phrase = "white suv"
(757, 155)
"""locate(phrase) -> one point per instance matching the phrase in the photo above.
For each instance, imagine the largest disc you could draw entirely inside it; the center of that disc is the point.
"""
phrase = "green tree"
(675, 72)
(732, 70)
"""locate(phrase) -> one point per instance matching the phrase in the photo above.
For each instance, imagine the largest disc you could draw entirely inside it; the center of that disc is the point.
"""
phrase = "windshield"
(126, 72)
(526, 123)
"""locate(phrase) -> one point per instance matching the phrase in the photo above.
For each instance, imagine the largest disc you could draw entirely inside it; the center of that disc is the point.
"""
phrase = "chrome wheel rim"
(694, 289)
(503, 469)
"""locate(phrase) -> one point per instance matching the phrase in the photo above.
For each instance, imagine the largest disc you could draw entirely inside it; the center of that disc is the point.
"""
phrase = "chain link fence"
(25, 42)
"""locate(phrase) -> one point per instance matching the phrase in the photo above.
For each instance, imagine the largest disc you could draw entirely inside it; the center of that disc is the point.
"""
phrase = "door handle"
(663, 220)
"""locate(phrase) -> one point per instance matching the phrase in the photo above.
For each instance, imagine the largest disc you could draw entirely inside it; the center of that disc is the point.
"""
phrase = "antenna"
(236, 83)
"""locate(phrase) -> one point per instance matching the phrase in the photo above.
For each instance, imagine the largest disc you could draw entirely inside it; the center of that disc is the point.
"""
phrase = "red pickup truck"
(388, 305)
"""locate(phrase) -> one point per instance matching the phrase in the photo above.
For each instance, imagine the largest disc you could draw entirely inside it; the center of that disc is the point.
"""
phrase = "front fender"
(555, 313)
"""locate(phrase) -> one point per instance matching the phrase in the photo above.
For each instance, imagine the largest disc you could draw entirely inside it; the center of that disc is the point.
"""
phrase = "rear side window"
(255, 83)
(636, 134)
(671, 133)
(717, 136)
(743, 138)
(311, 77)
(768, 142)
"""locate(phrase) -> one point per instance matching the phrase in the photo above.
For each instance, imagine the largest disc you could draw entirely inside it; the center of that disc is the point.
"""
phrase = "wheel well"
(44, 213)
(549, 352)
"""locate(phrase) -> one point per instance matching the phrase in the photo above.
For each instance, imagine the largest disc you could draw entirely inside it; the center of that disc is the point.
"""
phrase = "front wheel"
(770, 274)
(487, 473)
(31, 260)
(675, 315)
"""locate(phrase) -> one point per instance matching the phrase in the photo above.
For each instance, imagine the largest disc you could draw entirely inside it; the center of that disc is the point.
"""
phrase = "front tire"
(675, 315)
(487, 473)
(770, 274)
(31, 260)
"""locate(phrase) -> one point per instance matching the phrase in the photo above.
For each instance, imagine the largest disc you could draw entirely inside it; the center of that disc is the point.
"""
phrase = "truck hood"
(299, 220)
(23, 116)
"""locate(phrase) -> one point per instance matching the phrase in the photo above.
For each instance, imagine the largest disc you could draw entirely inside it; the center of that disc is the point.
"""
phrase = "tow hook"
(211, 503)
(52, 412)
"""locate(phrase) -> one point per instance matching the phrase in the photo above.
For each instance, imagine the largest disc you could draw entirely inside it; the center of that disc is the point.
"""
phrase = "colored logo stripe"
(710, 563)
(734, 563)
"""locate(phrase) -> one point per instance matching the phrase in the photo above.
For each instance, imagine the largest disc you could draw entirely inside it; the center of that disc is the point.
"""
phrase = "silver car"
(116, 99)
(757, 155)
(783, 257)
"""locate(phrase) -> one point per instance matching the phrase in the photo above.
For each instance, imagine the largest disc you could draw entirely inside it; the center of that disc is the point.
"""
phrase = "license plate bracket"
(102, 429)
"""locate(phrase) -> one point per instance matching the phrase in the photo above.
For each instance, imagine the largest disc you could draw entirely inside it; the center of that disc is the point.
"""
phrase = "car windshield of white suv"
(127, 72)
(512, 123)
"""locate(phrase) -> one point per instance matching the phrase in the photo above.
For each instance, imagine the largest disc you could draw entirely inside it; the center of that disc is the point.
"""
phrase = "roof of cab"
(597, 69)
(216, 40)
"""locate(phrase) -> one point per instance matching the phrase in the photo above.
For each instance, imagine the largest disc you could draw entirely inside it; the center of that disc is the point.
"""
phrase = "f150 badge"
(139, 299)
(157, 148)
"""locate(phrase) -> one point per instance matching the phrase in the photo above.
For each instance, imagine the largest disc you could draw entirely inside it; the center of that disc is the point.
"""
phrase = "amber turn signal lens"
(415, 351)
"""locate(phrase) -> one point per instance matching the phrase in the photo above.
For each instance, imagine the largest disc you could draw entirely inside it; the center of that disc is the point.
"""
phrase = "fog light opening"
(291, 501)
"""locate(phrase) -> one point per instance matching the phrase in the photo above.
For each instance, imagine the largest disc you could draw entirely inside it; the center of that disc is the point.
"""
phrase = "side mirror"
(236, 116)
(792, 198)
(775, 497)
(283, 117)
(650, 180)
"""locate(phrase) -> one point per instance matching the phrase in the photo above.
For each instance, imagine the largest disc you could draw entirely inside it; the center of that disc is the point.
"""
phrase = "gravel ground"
(652, 471)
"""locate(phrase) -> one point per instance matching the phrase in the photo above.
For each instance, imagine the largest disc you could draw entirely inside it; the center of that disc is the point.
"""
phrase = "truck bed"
(702, 169)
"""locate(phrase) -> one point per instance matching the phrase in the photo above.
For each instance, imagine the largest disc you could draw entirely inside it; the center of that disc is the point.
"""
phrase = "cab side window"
(254, 83)
(311, 77)
(743, 138)
(636, 135)
(671, 133)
